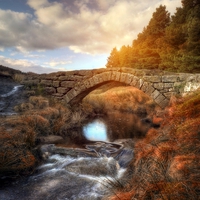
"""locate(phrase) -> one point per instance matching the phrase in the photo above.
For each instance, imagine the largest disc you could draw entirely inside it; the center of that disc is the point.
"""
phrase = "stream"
(10, 95)
(83, 173)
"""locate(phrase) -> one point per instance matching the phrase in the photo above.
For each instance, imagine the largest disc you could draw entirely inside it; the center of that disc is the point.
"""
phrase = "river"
(84, 176)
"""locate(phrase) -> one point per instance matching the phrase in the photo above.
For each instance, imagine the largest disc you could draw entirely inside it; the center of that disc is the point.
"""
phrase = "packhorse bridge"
(73, 86)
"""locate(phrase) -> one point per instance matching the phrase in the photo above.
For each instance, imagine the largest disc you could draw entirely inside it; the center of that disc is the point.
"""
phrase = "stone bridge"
(73, 86)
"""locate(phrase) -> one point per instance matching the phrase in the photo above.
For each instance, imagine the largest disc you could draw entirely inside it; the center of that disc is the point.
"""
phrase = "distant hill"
(7, 71)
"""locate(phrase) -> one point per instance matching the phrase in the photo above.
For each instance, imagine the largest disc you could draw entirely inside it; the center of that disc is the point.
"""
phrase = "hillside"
(7, 71)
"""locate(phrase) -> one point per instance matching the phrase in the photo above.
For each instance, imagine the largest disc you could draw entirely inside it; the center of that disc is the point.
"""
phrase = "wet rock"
(98, 166)
(51, 139)
(127, 143)
(124, 157)
(45, 150)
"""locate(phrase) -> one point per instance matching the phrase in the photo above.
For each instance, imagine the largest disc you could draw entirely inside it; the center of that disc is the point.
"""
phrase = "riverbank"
(167, 160)
(32, 168)
(165, 164)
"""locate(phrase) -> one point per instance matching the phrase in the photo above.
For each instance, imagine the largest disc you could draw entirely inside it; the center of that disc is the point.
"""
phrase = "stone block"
(113, 76)
(117, 76)
(152, 79)
(139, 84)
(81, 86)
(67, 99)
(169, 94)
(98, 79)
(62, 90)
(169, 78)
(179, 84)
(86, 84)
(198, 78)
(105, 76)
(56, 83)
(159, 98)
(158, 86)
(164, 103)
(75, 92)
(191, 78)
(129, 78)
(92, 82)
(47, 82)
(134, 81)
(123, 77)
(182, 76)
(164, 90)
(67, 84)
(70, 78)
(85, 73)
(50, 90)
(57, 95)
(70, 94)
(155, 94)
(149, 90)
(168, 85)
(144, 86)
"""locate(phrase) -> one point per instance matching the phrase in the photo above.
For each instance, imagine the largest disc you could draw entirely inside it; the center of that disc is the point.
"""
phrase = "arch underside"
(83, 88)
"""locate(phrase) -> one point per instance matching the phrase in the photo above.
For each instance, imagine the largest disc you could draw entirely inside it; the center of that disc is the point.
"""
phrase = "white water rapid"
(67, 178)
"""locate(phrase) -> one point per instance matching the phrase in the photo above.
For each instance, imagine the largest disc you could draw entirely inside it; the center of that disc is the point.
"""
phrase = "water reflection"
(116, 125)
(96, 130)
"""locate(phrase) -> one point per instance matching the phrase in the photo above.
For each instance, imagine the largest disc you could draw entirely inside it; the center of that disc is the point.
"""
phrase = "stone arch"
(81, 89)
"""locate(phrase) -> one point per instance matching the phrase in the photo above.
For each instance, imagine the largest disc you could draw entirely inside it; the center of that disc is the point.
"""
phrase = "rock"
(124, 157)
(45, 150)
(97, 167)
(51, 139)
(127, 143)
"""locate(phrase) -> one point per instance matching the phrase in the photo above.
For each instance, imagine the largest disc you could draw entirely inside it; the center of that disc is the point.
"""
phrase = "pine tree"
(150, 42)
(113, 59)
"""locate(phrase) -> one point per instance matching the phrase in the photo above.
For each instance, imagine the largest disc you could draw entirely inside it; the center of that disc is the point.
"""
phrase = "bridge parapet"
(72, 86)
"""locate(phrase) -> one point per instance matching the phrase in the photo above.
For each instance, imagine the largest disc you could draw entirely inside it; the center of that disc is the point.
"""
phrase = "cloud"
(26, 66)
(92, 27)
(57, 63)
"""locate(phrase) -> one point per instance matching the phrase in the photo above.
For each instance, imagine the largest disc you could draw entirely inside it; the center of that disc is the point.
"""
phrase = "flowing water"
(10, 96)
(64, 177)
(89, 174)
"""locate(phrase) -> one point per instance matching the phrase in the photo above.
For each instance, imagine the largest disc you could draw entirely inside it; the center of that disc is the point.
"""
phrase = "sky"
(44, 36)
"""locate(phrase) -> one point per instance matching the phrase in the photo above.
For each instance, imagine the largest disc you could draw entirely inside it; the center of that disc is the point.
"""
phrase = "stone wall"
(72, 86)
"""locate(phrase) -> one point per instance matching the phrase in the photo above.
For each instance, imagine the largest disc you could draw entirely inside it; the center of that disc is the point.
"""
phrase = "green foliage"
(169, 43)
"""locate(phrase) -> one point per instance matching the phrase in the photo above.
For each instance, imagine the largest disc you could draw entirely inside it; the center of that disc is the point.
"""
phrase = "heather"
(38, 117)
(166, 163)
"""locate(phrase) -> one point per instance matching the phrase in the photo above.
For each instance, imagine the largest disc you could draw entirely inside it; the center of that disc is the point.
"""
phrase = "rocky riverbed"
(64, 173)
(11, 94)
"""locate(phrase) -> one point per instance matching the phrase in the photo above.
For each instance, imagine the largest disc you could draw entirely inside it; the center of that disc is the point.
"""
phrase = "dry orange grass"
(166, 163)
(16, 139)
(121, 98)
(18, 134)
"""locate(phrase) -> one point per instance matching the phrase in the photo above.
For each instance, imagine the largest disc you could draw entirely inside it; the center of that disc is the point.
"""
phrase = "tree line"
(169, 43)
